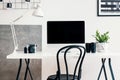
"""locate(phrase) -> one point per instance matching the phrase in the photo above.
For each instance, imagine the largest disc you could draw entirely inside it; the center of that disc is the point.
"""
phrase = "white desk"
(20, 55)
(37, 55)
(44, 55)
(104, 57)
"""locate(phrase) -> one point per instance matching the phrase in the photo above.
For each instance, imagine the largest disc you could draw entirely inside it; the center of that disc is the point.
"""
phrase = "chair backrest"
(78, 64)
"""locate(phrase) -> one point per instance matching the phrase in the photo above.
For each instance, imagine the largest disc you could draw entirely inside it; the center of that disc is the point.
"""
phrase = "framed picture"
(108, 7)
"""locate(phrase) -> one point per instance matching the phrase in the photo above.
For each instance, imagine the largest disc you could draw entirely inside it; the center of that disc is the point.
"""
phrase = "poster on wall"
(108, 7)
(18, 4)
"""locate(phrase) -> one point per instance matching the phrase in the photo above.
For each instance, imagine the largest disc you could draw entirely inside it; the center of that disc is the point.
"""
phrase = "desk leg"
(19, 69)
(27, 69)
(102, 67)
(111, 70)
(103, 62)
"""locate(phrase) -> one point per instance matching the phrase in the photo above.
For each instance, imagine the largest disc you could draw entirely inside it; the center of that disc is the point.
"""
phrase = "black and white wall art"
(108, 7)
(18, 4)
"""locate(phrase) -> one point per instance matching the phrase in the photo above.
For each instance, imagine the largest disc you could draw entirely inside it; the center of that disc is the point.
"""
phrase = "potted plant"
(102, 40)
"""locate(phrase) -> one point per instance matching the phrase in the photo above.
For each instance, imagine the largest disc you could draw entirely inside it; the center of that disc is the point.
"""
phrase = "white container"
(101, 47)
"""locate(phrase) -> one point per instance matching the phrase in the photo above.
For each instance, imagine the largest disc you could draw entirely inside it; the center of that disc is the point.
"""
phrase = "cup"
(32, 48)
(88, 49)
(93, 47)
(9, 5)
(25, 50)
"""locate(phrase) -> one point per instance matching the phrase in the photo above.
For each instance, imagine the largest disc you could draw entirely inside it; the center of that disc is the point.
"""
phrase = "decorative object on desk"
(9, 5)
(25, 49)
(38, 11)
(32, 48)
(108, 8)
(88, 49)
(102, 40)
(93, 47)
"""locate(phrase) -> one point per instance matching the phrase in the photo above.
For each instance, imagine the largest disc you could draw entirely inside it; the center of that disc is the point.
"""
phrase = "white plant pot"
(101, 47)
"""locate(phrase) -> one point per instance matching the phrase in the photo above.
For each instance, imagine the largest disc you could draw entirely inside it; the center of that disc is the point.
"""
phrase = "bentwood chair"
(76, 75)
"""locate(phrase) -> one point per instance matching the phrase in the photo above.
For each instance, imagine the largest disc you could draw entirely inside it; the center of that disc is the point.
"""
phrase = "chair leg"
(79, 76)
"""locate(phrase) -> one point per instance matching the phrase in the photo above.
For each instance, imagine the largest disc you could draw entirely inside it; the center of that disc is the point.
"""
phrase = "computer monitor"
(65, 32)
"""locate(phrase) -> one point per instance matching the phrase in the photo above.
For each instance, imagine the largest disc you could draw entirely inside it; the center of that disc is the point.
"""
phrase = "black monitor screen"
(62, 32)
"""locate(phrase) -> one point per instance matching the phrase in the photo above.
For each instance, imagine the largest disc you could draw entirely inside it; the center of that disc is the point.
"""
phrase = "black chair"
(78, 67)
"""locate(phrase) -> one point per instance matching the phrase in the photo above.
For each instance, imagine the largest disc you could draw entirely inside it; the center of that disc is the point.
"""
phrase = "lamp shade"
(38, 11)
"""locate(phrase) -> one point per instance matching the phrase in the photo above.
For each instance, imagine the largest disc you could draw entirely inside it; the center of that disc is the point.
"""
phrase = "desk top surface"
(40, 55)
(20, 54)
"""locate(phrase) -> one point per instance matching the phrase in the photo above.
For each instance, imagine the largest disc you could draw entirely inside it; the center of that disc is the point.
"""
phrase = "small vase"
(101, 47)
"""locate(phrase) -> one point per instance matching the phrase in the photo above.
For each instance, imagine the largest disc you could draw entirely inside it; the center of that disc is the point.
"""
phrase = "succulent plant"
(102, 37)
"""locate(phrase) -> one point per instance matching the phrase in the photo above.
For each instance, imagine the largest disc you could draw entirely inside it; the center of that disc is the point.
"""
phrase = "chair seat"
(63, 77)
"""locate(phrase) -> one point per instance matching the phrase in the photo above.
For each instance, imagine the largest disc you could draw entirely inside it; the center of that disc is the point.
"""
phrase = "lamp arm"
(14, 37)
(14, 33)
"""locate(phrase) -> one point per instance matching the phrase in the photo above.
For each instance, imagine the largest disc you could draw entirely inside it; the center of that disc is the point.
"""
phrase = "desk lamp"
(38, 12)
(14, 33)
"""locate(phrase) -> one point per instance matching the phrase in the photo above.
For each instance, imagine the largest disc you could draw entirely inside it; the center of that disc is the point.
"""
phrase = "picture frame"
(108, 7)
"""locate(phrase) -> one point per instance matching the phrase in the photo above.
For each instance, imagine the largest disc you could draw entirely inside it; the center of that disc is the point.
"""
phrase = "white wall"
(82, 10)
(69, 10)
